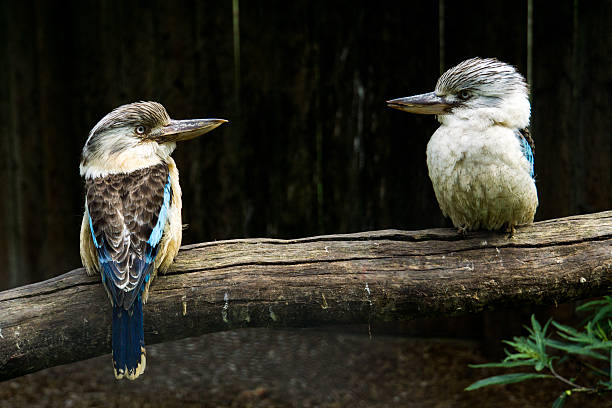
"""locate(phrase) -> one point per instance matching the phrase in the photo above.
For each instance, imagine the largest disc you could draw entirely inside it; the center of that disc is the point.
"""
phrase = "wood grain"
(333, 279)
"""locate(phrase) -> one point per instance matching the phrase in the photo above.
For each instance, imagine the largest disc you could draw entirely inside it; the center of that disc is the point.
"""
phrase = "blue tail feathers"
(129, 356)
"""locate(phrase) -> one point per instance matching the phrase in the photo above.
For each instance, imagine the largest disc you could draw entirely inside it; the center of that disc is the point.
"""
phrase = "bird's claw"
(462, 231)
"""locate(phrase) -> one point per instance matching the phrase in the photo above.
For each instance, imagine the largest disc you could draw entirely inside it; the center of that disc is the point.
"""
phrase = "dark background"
(311, 147)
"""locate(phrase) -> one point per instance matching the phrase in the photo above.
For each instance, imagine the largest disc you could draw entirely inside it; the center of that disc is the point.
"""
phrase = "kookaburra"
(480, 159)
(132, 223)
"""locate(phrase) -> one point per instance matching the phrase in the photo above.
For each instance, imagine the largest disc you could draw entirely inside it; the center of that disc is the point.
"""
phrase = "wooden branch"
(334, 279)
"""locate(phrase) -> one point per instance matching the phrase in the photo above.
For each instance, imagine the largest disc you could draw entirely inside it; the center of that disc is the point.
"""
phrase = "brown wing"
(128, 213)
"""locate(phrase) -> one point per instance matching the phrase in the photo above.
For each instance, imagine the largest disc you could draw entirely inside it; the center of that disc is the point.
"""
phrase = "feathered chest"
(482, 178)
(463, 150)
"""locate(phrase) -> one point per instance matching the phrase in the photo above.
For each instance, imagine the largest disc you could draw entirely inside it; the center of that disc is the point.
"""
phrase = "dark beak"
(427, 104)
(178, 130)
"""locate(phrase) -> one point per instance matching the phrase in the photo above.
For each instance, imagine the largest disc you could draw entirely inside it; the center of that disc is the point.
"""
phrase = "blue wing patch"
(527, 150)
(158, 230)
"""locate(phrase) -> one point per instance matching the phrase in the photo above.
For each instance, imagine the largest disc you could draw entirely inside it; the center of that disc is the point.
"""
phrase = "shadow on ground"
(287, 368)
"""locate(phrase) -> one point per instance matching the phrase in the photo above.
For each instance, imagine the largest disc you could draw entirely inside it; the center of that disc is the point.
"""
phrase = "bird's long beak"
(178, 130)
(427, 103)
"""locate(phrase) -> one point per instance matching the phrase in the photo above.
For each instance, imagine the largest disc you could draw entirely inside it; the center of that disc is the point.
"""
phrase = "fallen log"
(333, 279)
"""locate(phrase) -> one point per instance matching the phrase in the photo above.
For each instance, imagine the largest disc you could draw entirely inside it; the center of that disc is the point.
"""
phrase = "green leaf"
(572, 349)
(504, 364)
(602, 313)
(560, 402)
(606, 385)
(534, 323)
(505, 379)
(595, 304)
(572, 334)
(602, 345)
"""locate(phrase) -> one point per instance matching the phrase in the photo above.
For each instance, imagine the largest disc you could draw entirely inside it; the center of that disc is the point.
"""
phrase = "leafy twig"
(594, 341)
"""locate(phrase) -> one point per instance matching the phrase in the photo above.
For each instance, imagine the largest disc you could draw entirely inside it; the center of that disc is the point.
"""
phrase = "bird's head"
(137, 135)
(483, 91)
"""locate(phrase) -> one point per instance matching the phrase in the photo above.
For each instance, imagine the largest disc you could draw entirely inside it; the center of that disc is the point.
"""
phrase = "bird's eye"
(464, 95)
(140, 130)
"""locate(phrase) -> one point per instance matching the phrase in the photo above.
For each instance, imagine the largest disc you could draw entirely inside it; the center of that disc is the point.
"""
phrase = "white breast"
(480, 177)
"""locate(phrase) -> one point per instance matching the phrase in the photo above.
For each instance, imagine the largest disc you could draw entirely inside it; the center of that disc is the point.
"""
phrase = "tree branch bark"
(333, 279)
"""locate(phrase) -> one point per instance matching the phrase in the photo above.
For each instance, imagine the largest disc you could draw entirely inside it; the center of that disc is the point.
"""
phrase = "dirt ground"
(288, 368)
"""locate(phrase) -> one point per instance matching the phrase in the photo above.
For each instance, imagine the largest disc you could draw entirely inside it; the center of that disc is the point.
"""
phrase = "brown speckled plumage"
(124, 209)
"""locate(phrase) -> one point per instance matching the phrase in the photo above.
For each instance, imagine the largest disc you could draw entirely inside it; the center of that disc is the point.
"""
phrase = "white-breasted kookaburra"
(480, 159)
(132, 223)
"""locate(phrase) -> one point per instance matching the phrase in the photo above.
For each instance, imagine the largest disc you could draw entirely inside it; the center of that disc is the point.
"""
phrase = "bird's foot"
(510, 230)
